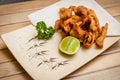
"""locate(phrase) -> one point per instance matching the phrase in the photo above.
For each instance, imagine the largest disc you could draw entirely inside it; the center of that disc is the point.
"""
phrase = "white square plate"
(42, 59)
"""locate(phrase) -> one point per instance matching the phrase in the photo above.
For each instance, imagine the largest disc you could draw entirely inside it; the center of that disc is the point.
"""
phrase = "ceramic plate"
(42, 58)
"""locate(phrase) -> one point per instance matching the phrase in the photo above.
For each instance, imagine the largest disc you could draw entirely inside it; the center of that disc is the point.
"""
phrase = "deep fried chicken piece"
(68, 24)
(57, 25)
(73, 19)
(73, 9)
(82, 23)
(82, 11)
(77, 32)
(65, 13)
(93, 27)
(100, 39)
(88, 39)
(92, 13)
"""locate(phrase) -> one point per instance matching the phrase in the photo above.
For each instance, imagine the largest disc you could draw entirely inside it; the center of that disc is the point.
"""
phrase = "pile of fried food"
(82, 23)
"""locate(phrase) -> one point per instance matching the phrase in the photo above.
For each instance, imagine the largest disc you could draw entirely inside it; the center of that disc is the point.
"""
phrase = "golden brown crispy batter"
(68, 24)
(65, 13)
(77, 32)
(100, 39)
(57, 25)
(73, 8)
(92, 13)
(89, 39)
(93, 27)
(82, 11)
(82, 23)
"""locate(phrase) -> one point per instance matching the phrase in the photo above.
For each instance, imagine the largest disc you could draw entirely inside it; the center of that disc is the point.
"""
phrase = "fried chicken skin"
(65, 13)
(68, 24)
(82, 23)
(100, 39)
(88, 39)
(77, 32)
(82, 11)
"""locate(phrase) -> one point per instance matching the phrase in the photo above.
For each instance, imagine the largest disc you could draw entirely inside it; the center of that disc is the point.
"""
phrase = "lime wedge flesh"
(69, 45)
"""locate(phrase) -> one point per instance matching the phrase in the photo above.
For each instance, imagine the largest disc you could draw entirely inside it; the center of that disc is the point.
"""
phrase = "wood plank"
(6, 56)
(2, 44)
(24, 6)
(108, 3)
(10, 68)
(12, 27)
(14, 18)
(21, 76)
(108, 74)
(114, 11)
(104, 75)
(20, 16)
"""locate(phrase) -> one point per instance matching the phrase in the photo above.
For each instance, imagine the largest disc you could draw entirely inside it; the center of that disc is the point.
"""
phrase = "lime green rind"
(69, 45)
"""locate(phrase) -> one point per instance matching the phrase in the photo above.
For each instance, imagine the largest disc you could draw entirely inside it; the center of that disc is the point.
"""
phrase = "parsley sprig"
(43, 31)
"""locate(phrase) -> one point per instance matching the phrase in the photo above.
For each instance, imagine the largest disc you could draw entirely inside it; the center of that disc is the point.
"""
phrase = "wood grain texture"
(21, 76)
(2, 44)
(14, 18)
(114, 11)
(25, 6)
(20, 16)
(108, 74)
(8, 28)
(10, 68)
(6, 56)
(108, 3)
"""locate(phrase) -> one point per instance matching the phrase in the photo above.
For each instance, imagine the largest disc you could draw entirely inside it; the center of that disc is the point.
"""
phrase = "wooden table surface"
(14, 16)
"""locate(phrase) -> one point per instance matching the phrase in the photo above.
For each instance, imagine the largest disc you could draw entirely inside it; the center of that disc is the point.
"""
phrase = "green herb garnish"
(43, 31)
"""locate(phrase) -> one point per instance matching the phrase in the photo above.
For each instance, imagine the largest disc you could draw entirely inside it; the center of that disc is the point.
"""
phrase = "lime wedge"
(69, 45)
